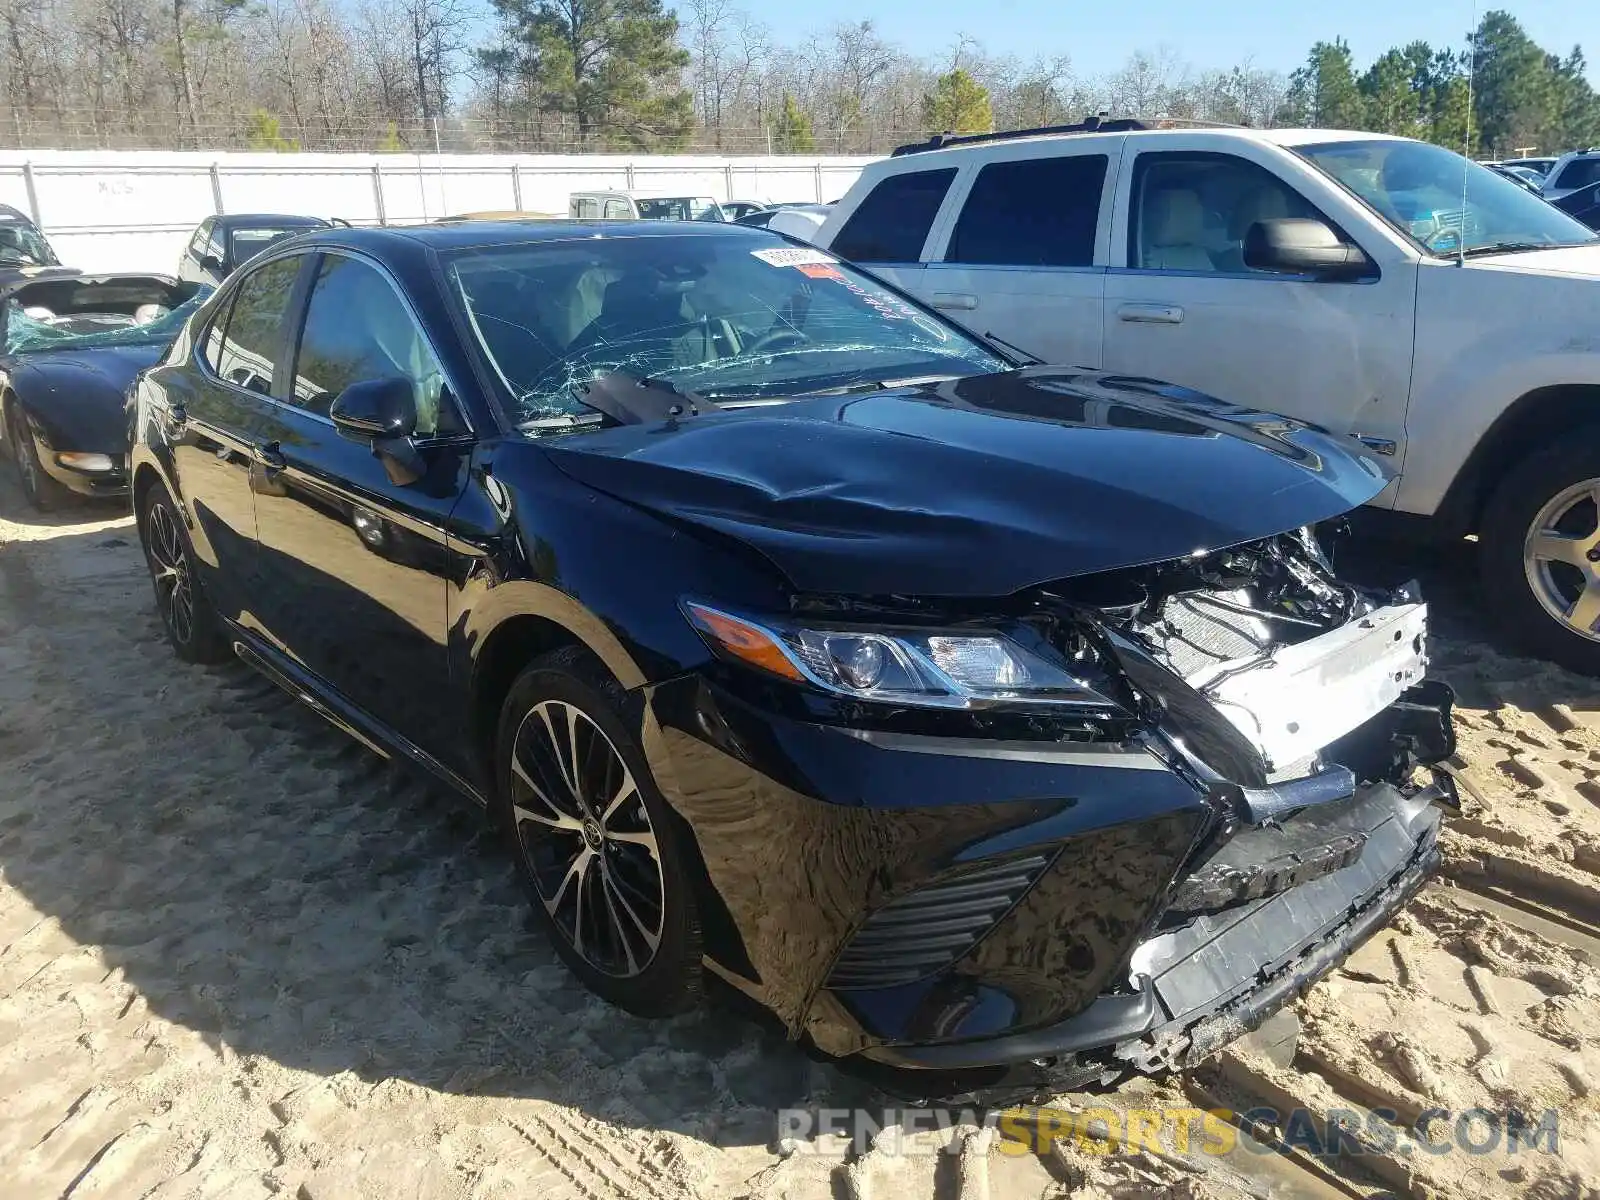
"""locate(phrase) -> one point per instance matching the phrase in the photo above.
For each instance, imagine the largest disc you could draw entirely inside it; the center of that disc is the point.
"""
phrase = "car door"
(215, 406)
(889, 229)
(1182, 306)
(1025, 258)
(354, 567)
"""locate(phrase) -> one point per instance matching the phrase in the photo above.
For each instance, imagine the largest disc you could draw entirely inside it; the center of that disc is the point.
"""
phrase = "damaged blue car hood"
(979, 486)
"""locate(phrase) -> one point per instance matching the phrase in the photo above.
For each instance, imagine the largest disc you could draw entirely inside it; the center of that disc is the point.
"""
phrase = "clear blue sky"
(1099, 37)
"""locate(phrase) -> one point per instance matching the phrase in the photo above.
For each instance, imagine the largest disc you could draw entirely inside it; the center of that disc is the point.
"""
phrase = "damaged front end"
(1296, 707)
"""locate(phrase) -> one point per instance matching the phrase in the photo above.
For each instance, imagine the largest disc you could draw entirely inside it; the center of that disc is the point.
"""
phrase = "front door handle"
(962, 301)
(1151, 314)
(270, 456)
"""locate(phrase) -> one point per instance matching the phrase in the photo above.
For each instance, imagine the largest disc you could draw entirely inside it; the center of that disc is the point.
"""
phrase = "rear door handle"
(963, 301)
(269, 456)
(1151, 314)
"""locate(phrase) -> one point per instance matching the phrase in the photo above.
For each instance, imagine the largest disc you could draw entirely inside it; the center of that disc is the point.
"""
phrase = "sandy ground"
(241, 957)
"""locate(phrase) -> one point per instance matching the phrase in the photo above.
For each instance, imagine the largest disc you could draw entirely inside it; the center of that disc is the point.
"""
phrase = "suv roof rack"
(1095, 124)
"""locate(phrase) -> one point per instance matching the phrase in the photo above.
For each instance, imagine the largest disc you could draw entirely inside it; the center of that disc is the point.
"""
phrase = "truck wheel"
(1540, 553)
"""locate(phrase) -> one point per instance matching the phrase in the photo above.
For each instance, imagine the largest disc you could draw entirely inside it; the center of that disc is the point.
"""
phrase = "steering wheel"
(776, 339)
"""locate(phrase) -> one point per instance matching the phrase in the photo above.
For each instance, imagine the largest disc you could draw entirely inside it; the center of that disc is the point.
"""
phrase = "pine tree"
(957, 104)
(791, 133)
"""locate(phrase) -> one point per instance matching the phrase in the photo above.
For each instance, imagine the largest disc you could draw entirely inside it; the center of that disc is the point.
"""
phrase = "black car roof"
(12, 216)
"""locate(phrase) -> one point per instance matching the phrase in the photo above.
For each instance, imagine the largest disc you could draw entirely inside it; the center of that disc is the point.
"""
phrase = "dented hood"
(980, 486)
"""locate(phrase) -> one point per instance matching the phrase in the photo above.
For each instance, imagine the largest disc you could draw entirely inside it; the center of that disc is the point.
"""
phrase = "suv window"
(197, 244)
(256, 323)
(893, 221)
(358, 329)
(1192, 211)
(1580, 172)
(1039, 212)
(617, 209)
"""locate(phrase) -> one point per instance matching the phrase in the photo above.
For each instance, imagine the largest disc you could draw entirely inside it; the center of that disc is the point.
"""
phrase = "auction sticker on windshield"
(795, 256)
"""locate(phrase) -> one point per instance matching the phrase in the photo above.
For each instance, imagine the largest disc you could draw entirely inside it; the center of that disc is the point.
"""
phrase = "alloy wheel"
(1561, 556)
(585, 833)
(25, 467)
(169, 565)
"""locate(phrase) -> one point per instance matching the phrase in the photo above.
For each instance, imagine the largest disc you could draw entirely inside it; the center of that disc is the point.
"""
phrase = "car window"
(1040, 212)
(197, 244)
(617, 210)
(892, 223)
(1580, 172)
(250, 240)
(254, 338)
(1442, 202)
(729, 318)
(211, 346)
(358, 329)
(1192, 211)
(586, 209)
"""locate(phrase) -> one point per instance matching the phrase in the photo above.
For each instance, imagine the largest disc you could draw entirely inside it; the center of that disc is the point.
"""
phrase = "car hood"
(77, 395)
(980, 486)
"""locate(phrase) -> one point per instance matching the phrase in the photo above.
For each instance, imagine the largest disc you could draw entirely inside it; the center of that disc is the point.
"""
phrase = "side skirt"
(316, 695)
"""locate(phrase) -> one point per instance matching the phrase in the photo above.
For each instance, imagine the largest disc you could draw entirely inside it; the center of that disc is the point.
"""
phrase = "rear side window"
(893, 221)
(1040, 212)
(1580, 172)
(254, 338)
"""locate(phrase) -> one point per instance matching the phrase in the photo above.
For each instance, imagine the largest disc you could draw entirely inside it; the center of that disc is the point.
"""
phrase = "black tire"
(193, 627)
(43, 493)
(1519, 584)
(611, 954)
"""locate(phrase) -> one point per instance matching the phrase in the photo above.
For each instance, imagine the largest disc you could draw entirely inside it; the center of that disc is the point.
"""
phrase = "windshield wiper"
(632, 400)
(1507, 247)
(1029, 360)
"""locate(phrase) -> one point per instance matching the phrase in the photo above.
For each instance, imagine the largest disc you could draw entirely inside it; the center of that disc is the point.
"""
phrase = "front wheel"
(1540, 553)
(596, 845)
(43, 493)
(192, 625)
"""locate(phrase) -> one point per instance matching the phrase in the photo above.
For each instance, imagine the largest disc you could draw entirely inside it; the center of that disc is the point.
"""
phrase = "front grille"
(930, 928)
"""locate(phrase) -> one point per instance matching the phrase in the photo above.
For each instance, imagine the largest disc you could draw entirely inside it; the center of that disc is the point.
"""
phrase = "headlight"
(930, 668)
(85, 462)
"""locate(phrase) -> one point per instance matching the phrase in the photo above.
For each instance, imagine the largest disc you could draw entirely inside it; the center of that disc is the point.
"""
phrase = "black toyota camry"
(981, 721)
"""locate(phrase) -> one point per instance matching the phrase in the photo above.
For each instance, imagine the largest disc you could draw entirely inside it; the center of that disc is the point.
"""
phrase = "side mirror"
(210, 262)
(376, 408)
(384, 413)
(1303, 246)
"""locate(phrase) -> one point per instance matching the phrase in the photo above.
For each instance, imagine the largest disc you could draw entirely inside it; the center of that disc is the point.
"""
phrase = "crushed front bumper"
(1202, 984)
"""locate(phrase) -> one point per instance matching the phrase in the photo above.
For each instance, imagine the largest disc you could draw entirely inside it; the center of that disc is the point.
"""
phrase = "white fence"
(133, 210)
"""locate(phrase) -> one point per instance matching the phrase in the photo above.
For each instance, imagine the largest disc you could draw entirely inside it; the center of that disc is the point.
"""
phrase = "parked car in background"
(1529, 180)
(1006, 724)
(24, 251)
(70, 348)
(1540, 166)
(635, 206)
(220, 244)
(799, 220)
(1373, 285)
(1571, 172)
(1583, 204)
(732, 210)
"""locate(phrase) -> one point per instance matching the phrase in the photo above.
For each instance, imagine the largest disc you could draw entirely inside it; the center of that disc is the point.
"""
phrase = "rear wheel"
(43, 493)
(192, 625)
(1541, 553)
(596, 846)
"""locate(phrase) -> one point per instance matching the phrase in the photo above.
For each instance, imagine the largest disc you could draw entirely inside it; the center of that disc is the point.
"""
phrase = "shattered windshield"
(723, 317)
(150, 325)
(1443, 202)
(21, 244)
